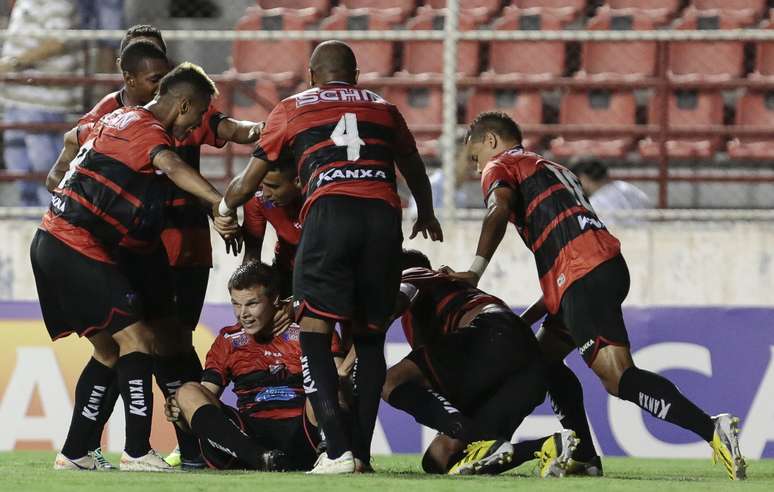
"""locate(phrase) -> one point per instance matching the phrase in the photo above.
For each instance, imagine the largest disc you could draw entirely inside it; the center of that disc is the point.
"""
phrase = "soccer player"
(474, 373)
(272, 427)
(582, 273)
(345, 142)
(112, 197)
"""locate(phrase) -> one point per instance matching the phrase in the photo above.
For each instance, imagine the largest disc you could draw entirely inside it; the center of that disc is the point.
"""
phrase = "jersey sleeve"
(83, 132)
(106, 105)
(207, 132)
(255, 221)
(495, 176)
(274, 135)
(405, 145)
(215, 368)
(150, 139)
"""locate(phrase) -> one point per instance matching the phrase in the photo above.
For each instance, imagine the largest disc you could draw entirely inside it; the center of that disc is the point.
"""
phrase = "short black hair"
(142, 31)
(591, 167)
(189, 74)
(413, 258)
(496, 122)
(286, 166)
(254, 274)
(133, 55)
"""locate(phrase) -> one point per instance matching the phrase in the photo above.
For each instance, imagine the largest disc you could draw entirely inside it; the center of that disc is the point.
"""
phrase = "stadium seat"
(406, 6)
(703, 60)
(618, 60)
(660, 11)
(565, 10)
(491, 6)
(374, 58)
(536, 60)
(321, 6)
(687, 109)
(273, 58)
(426, 57)
(764, 54)
(744, 11)
(526, 107)
(595, 108)
(754, 109)
(422, 107)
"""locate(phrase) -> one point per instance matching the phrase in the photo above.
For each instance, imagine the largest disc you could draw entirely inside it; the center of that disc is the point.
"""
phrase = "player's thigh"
(554, 339)
(151, 277)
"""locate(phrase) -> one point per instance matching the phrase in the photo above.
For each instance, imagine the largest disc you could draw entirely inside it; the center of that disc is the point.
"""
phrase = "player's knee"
(135, 338)
(190, 396)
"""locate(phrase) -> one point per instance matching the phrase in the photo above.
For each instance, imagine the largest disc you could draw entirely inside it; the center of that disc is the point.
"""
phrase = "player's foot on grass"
(341, 465)
(100, 462)
(725, 446)
(556, 453)
(151, 462)
(362, 466)
(62, 462)
(483, 458)
(590, 468)
(174, 458)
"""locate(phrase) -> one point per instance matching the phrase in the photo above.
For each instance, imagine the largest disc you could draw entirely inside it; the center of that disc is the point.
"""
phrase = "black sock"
(524, 451)
(368, 380)
(433, 410)
(135, 372)
(210, 423)
(566, 394)
(172, 372)
(108, 404)
(89, 394)
(661, 398)
(321, 386)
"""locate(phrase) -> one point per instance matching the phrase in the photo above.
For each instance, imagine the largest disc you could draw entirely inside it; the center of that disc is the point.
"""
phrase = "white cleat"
(725, 446)
(556, 453)
(62, 462)
(151, 462)
(341, 465)
(100, 462)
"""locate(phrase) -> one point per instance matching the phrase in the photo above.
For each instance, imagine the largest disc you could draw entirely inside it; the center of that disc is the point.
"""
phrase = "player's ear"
(118, 64)
(297, 182)
(185, 105)
(357, 75)
(490, 140)
(129, 79)
(311, 78)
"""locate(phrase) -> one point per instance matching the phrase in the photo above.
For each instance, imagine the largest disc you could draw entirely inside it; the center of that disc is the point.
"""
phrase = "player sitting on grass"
(272, 427)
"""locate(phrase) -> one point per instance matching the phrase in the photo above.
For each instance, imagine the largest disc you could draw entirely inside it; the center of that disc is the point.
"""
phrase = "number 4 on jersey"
(345, 135)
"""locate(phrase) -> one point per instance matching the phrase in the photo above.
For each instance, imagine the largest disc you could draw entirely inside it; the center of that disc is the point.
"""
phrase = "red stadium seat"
(660, 11)
(373, 57)
(744, 11)
(703, 60)
(422, 57)
(422, 107)
(754, 109)
(278, 58)
(597, 107)
(565, 10)
(764, 54)
(406, 6)
(536, 60)
(687, 109)
(321, 6)
(491, 6)
(618, 60)
(526, 107)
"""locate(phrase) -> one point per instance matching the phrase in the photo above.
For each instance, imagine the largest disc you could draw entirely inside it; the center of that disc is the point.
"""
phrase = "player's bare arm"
(535, 312)
(62, 163)
(239, 131)
(185, 177)
(243, 186)
(413, 170)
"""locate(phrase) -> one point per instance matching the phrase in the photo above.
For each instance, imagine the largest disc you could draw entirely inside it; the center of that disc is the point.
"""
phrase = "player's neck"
(164, 111)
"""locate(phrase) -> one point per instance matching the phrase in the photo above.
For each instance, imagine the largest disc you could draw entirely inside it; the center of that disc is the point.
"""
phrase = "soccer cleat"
(274, 461)
(362, 466)
(62, 462)
(174, 458)
(151, 462)
(725, 446)
(555, 454)
(590, 468)
(326, 466)
(100, 462)
(483, 458)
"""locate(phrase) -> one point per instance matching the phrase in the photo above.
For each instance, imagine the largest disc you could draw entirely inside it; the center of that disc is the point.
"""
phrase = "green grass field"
(32, 471)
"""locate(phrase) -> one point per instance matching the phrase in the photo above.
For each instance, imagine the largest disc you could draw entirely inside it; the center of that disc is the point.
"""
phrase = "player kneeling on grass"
(273, 427)
(474, 373)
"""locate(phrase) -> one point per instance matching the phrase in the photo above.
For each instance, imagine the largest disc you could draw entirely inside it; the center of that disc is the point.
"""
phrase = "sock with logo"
(566, 395)
(172, 372)
(321, 383)
(108, 404)
(135, 372)
(661, 398)
(210, 424)
(89, 394)
(433, 410)
(367, 380)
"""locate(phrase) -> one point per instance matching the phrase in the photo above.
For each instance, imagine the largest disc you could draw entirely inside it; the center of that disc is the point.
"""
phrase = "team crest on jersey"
(292, 333)
(276, 368)
(238, 339)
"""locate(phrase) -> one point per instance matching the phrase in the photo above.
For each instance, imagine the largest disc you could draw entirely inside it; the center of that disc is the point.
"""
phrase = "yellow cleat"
(483, 457)
(555, 454)
(173, 458)
(725, 446)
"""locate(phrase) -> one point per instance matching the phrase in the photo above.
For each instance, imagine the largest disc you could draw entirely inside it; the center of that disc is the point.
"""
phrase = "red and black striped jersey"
(441, 301)
(111, 195)
(283, 219)
(553, 217)
(343, 139)
(266, 375)
(186, 234)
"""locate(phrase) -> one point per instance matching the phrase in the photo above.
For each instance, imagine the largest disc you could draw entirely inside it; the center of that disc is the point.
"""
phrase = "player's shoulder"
(418, 273)
(106, 105)
(233, 336)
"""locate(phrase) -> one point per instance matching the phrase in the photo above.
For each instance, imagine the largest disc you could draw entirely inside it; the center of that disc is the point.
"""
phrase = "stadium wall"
(701, 310)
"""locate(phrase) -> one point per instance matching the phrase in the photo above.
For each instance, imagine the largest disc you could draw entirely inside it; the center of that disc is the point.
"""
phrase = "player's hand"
(171, 409)
(468, 277)
(283, 318)
(427, 225)
(255, 131)
(229, 230)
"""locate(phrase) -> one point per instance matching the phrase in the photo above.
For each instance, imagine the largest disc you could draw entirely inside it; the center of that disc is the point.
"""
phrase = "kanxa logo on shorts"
(583, 348)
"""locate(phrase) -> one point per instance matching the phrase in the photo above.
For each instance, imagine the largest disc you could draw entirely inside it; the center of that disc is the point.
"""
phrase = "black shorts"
(190, 288)
(78, 294)
(347, 264)
(297, 437)
(151, 276)
(591, 308)
(467, 365)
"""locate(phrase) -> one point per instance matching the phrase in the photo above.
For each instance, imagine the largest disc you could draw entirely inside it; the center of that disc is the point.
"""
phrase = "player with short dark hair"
(346, 142)
(143, 32)
(111, 198)
(583, 276)
(272, 427)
